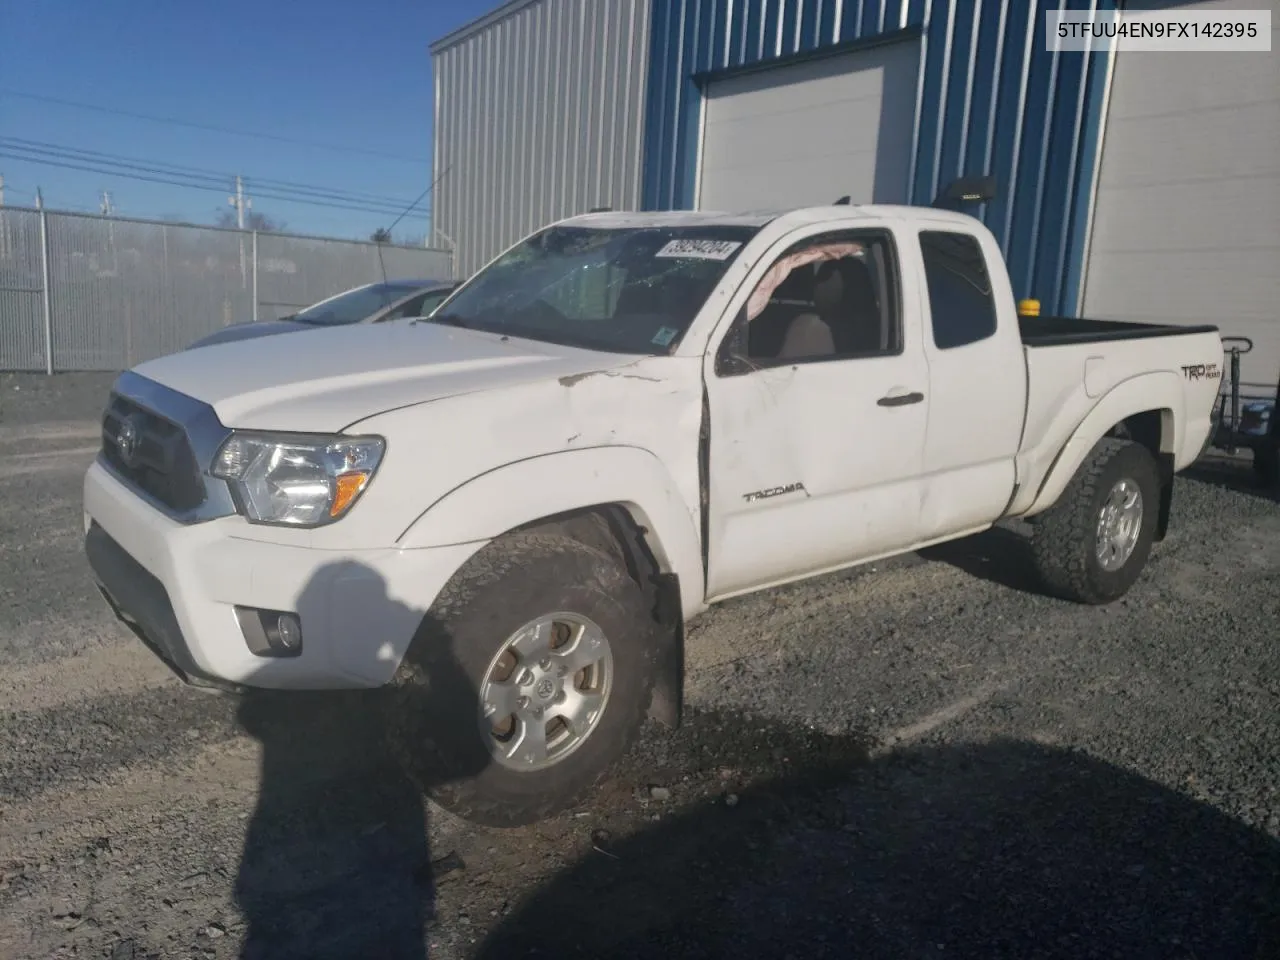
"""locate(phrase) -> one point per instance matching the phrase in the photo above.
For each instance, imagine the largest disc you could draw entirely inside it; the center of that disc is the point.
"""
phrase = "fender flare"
(1149, 391)
(515, 494)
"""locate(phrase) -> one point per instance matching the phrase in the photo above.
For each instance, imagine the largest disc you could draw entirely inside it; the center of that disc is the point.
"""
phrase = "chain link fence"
(81, 292)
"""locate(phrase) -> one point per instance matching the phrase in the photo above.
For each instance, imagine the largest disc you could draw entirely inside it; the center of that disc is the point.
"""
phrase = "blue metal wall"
(992, 100)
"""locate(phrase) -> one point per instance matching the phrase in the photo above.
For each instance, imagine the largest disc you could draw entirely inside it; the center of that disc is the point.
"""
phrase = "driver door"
(818, 406)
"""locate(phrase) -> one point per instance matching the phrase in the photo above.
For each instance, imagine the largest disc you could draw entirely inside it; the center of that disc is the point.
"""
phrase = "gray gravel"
(925, 759)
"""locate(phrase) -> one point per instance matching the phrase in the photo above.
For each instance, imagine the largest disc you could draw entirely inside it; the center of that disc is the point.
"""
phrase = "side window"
(410, 308)
(830, 297)
(429, 303)
(961, 301)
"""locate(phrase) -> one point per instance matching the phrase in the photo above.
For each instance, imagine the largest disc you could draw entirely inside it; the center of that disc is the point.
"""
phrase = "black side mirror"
(731, 359)
(967, 190)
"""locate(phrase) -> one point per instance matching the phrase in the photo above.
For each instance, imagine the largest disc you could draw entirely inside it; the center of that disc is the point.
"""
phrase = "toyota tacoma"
(504, 515)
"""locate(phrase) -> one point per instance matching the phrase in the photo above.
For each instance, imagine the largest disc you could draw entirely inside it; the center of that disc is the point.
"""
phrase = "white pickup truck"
(505, 514)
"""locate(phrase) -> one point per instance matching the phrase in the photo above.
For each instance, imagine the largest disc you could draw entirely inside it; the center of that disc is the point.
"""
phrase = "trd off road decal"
(1202, 371)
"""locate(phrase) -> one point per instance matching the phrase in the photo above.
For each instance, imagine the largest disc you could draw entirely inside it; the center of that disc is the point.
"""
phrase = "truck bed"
(1072, 365)
(1060, 331)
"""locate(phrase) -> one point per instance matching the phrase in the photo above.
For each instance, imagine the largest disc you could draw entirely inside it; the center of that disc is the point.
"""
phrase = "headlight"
(301, 481)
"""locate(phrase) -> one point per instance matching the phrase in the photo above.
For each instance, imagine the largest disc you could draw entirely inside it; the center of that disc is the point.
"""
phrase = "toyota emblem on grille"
(127, 441)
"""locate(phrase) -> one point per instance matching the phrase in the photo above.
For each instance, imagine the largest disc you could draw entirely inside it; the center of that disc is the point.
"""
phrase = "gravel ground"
(926, 758)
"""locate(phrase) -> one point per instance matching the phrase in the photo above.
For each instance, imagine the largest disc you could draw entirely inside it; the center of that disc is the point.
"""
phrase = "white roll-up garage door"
(1186, 226)
(811, 132)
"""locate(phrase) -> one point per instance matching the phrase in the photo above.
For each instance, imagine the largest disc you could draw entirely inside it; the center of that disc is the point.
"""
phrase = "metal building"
(1134, 186)
(539, 115)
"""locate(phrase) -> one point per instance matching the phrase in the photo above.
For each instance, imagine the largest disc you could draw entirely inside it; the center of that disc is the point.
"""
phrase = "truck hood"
(335, 377)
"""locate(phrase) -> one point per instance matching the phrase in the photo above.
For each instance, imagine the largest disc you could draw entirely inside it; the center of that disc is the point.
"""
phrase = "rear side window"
(960, 297)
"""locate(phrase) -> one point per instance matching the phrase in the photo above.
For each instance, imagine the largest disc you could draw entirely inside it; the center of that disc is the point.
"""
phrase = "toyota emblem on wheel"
(127, 441)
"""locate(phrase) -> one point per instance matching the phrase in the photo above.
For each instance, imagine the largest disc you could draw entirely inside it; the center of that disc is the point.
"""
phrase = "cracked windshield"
(620, 290)
(835, 514)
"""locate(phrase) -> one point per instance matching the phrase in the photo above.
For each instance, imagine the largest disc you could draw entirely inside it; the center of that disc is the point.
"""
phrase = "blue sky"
(351, 74)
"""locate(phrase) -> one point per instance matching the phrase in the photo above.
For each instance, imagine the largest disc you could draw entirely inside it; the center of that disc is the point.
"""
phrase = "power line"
(9, 191)
(422, 196)
(175, 121)
(88, 162)
(212, 177)
(169, 181)
(200, 171)
(104, 167)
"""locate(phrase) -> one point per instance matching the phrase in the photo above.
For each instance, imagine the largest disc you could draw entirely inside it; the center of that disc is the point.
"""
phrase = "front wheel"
(1091, 546)
(531, 676)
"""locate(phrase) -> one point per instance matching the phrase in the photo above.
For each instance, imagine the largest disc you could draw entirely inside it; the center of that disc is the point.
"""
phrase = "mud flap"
(1166, 496)
(667, 703)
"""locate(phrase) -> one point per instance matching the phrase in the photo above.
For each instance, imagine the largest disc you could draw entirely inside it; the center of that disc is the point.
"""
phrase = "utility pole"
(240, 202)
(107, 210)
(1, 189)
(46, 272)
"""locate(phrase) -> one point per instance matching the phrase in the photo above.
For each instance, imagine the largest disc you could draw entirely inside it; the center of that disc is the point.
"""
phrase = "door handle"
(900, 399)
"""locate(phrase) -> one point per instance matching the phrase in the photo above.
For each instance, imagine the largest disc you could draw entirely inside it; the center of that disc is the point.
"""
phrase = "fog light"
(270, 633)
(288, 633)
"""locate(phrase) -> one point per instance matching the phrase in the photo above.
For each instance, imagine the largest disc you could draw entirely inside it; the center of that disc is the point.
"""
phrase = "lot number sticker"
(699, 249)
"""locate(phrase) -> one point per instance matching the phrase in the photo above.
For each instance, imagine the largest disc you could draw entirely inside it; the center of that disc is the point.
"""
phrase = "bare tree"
(381, 235)
(252, 221)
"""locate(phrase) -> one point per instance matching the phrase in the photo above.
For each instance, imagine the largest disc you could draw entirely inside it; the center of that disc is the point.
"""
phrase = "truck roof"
(622, 219)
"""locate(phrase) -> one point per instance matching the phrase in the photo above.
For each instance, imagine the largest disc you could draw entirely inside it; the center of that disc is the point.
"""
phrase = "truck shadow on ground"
(1008, 849)
(336, 861)
(775, 840)
(999, 555)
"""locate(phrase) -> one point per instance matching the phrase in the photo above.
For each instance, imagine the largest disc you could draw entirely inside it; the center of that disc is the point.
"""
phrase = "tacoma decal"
(775, 492)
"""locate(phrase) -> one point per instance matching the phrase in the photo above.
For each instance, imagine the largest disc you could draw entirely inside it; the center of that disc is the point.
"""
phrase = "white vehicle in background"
(369, 303)
(505, 514)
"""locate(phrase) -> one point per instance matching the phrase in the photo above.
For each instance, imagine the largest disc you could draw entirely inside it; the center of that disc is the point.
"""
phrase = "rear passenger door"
(977, 378)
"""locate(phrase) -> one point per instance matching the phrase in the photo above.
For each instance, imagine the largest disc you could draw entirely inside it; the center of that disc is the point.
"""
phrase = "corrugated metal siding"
(538, 116)
(1187, 225)
(992, 100)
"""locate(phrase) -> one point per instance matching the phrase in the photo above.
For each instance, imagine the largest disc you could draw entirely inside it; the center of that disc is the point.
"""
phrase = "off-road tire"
(1065, 543)
(431, 711)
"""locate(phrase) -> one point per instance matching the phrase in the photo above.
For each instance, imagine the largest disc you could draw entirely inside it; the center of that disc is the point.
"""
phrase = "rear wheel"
(1091, 546)
(531, 676)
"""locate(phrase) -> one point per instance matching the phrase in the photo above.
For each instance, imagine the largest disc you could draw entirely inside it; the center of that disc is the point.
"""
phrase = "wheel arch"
(1156, 431)
(553, 487)
(628, 506)
(1148, 410)
(614, 529)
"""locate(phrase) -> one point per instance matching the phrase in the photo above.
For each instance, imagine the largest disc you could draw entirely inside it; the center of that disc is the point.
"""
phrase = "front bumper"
(177, 586)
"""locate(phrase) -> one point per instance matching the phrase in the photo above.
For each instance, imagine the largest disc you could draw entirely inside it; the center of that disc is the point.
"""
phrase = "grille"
(159, 460)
